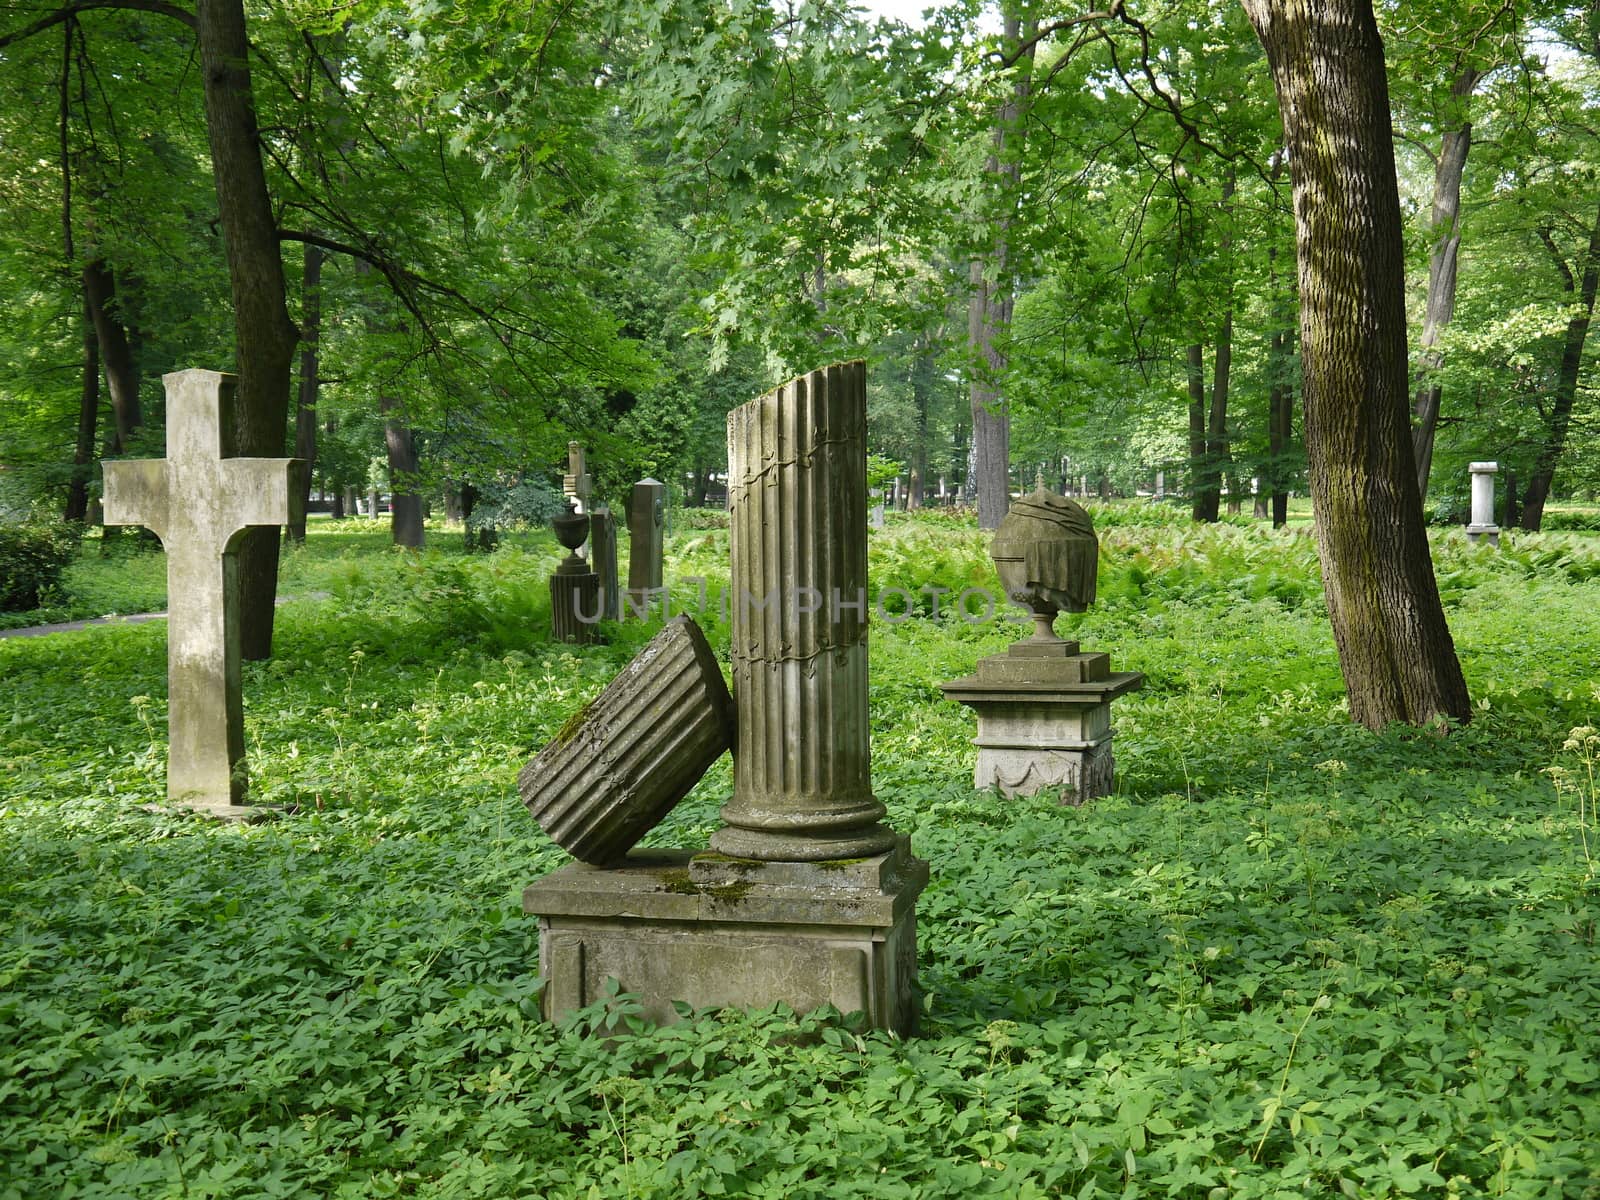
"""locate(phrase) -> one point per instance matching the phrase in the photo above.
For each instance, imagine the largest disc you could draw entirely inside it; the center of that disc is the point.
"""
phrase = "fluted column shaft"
(797, 492)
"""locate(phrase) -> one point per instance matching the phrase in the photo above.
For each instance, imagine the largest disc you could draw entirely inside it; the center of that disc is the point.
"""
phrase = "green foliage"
(32, 558)
(1288, 957)
(526, 503)
(1559, 519)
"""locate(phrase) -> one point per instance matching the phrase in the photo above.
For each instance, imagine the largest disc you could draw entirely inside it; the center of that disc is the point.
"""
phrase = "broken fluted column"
(797, 493)
(626, 758)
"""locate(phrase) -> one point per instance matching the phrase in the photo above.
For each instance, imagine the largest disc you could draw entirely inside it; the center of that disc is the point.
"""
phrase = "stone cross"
(199, 501)
(577, 484)
(647, 510)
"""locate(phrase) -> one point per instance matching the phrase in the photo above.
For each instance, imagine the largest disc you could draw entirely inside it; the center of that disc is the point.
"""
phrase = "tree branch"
(1026, 45)
(69, 11)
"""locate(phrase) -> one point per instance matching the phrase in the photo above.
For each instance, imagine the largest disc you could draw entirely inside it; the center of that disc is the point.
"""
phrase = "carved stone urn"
(1046, 555)
(1044, 706)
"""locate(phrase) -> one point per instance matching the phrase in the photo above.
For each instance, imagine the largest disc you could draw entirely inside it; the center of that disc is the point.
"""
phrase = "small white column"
(1482, 522)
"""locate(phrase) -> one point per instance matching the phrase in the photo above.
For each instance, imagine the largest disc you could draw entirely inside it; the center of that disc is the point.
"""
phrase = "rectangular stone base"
(714, 932)
(1082, 773)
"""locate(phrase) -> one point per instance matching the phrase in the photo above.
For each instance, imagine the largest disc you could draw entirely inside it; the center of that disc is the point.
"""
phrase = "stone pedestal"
(1482, 524)
(623, 760)
(718, 932)
(647, 512)
(575, 604)
(1044, 719)
(603, 557)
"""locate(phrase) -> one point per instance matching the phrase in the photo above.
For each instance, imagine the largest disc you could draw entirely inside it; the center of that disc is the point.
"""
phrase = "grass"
(1287, 957)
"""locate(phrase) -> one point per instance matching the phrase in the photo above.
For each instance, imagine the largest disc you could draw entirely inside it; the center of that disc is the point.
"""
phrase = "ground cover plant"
(1289, 957)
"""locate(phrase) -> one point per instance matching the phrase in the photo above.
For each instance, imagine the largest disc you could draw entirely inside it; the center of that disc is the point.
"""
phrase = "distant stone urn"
(1046, 554)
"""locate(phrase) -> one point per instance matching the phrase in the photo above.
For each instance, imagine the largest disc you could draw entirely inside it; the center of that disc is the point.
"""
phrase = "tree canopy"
(1063, 236)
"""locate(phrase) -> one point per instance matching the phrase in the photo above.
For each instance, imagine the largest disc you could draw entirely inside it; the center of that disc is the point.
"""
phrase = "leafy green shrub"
(32, 558)
(528, 503)
(1573, 520)
(700, 518)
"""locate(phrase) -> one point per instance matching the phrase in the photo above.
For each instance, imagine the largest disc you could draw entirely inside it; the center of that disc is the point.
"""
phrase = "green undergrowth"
(1287, 957)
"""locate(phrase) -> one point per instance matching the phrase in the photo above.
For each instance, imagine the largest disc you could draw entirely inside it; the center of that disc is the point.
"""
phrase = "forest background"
(1068, 230)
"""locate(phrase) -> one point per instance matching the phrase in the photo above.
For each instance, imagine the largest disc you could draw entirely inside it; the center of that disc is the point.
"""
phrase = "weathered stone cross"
(199, 502)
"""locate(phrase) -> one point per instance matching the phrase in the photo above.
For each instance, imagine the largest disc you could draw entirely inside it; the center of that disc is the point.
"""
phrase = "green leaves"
(1288, 957)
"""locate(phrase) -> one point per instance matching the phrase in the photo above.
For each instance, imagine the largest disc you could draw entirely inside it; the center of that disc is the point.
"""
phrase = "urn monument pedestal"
(1044, 719)
(1044, 707)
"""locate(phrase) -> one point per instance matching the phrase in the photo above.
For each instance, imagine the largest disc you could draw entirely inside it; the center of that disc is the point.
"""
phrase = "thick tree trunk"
(991, 299)
(116, 355)
(77, 508)
(305, 412)
(1582, 287)
(264, 336)
(1445, 225)
(405, 499)
(1395, 648)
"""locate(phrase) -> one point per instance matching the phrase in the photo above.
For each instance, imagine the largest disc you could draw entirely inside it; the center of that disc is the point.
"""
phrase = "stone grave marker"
(574, 589)
(1044, 708)
(199, 501)
(603, 558)
(1482, 523)
(647, 510)
(806, 897)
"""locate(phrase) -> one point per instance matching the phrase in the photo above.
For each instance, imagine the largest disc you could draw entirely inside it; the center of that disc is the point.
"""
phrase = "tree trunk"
(264, 336)
(1203, 498)
(88, 420)
(116, 356)
(1559, 417)
(1395, 649)
(1445, 225)
(405, 500)
(990, 303)
(922, 384)
(1218, 456)
(305, 413)
(1280, 422)
(1280, 374)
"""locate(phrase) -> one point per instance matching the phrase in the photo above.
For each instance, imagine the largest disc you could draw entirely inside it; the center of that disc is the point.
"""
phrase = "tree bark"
(305, 412)
(264, 336)
(1219, 457)
(1280, 421)
(923, 381)
(405, 500)
(116, 356)
(1202, 479)
(77, 508)
(992, 297)
(1395, 649)
(1445, 225)
(1582, 288)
